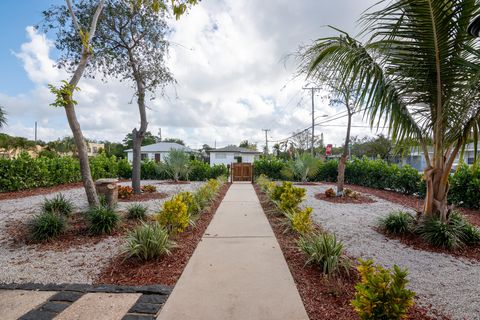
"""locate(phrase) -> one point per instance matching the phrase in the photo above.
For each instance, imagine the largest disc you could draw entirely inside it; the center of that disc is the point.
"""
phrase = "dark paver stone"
(158, 289)
(111, 288)
(78, 287)
(38, 315)
(70, 296)
(52, 287)
(55, 306)
(29, 286)
(8, 286)
(149, 308)
(152, 298)
(138, 317)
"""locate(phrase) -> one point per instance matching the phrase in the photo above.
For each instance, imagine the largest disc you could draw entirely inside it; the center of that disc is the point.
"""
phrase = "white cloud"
(227, 57)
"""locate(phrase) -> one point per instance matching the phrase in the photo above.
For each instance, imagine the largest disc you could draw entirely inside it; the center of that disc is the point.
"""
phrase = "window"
(238, 159)
(143, 156)
(220, 156)
(94, 149)
(470, 160)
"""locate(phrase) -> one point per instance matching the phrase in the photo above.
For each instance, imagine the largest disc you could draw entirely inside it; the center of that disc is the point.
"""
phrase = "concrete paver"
(238, 270)
(100, 306)
(16, 303)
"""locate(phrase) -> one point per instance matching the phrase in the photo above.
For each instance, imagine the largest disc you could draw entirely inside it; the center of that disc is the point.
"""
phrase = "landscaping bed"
(359, 200)
(144, 196)
(165, 270)
(39, 191)
(323, 297)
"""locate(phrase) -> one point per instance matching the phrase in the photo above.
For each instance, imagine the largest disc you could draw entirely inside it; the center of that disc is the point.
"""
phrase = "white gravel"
(451, 285)
(79, 264)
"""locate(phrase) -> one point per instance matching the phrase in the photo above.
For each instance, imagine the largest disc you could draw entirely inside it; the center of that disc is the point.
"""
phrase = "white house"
(157, 151)
(231, 154)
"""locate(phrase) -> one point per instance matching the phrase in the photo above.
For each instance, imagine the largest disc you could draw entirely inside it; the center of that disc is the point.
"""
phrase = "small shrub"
(442, 234)
(324, 251)
(301, 221)
(148, 241)
(330, 193)
(471, 235)
(125, 192)
(174, 215)
(397, 222)
(102, 220)
(58, 204)
(350, 193)
(137, 211)
(287, 196)
(149, 188)
(189, 199)
(47, 226)
(381, 293)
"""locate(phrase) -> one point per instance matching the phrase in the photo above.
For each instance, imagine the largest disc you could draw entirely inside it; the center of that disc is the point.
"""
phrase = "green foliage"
(46, 226)
(288, 196)
(174, 215)
(397, 222)
(324, 251)
(124, 169)
(269, 166)
(452, 234)
(137, 211)
(201, 171)
(217, 171)
(301, 221)
(102, 166)
(58, 204)
(148, 241)
(381, 294)
(189, 199)
(63, 94)
(303, 167)
(102, 220)
(176, 165)
(465, 186)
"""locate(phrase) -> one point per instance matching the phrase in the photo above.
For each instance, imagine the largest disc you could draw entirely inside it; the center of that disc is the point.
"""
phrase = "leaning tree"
(419, 71)
(75, 37)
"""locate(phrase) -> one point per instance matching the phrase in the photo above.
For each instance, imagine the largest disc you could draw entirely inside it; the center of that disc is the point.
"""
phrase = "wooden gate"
(242, 172)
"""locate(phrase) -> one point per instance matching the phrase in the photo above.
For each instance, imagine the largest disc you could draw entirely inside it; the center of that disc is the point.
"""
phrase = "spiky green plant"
(304, 166)
(397, 222)
(102, 220)
(148, 241)
(419, 72)
(46, 226)
(58, 204)
(176, 165)
(325, 251)
(137, 211)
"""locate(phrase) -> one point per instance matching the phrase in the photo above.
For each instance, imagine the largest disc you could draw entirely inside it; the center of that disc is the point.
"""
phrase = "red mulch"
(174, 182)
(412, 201)
(76, 234)
(323, 297)
(359, 200)
(168, 269)
(39, 191)
(306, 183)
(144, 196)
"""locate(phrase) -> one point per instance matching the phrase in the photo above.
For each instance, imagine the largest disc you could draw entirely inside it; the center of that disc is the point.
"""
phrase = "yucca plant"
(58, 204)
(176, 165)
(325, 251)
(304, 166)
(137, 211)
(419, 71)
(148, 241)
(397, 222)
(47, 226)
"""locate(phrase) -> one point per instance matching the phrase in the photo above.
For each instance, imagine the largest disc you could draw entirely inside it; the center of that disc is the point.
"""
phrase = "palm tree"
(419, 71)
(3, 117)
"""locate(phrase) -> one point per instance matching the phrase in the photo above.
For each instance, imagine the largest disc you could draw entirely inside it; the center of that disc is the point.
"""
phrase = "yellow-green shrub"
(301, 221)
(174, 215)
(291, 197)
(381, 293)
(189, 199)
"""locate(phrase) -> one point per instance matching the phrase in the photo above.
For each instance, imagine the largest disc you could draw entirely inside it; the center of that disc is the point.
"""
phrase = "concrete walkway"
(238, 270)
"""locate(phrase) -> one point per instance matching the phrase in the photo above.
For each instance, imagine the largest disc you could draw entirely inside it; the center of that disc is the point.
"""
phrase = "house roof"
(234, 149)
(163, 147)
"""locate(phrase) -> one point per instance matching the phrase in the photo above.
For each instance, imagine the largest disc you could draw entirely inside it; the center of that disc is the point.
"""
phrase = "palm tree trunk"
(343, 159)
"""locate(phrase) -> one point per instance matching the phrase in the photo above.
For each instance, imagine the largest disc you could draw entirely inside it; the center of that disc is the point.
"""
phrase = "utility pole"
(312, 89)
(160, 134)
(35, 131)
(266, 140)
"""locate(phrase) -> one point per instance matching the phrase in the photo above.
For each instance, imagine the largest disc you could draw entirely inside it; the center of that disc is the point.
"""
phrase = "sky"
(232, 61)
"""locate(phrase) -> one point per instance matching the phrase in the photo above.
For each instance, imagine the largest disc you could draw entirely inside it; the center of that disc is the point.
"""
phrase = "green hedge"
(464, 183)
(26, 172)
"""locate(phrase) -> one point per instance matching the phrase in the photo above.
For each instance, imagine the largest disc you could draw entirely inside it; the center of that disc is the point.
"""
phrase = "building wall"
(148, 155)
(229, 157)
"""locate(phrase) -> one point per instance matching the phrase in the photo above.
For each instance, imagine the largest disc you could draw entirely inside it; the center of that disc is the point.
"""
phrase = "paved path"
(238, 270)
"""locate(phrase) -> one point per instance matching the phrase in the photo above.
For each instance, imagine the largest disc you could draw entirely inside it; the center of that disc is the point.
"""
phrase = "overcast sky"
(228, 57)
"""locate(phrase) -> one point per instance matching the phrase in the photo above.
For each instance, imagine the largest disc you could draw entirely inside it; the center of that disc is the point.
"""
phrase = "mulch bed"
(77, 234)
(175, 182)
(168, 269)
(306, 183)
(359, 200)
(323, 297)
(144, 196)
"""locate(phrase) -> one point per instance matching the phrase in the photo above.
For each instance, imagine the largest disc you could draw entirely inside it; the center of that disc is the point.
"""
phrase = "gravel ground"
(80, 264)
(449, 284)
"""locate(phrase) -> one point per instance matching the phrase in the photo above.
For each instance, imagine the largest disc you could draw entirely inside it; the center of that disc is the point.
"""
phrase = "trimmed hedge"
(26, 172)
(464, 183)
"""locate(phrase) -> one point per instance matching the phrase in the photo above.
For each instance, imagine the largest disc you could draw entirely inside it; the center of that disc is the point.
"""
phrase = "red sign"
(328, 150)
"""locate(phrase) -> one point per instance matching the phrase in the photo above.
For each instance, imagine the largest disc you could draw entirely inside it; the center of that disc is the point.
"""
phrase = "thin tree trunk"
(343, 159)
(139, 134)
(88, 183)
